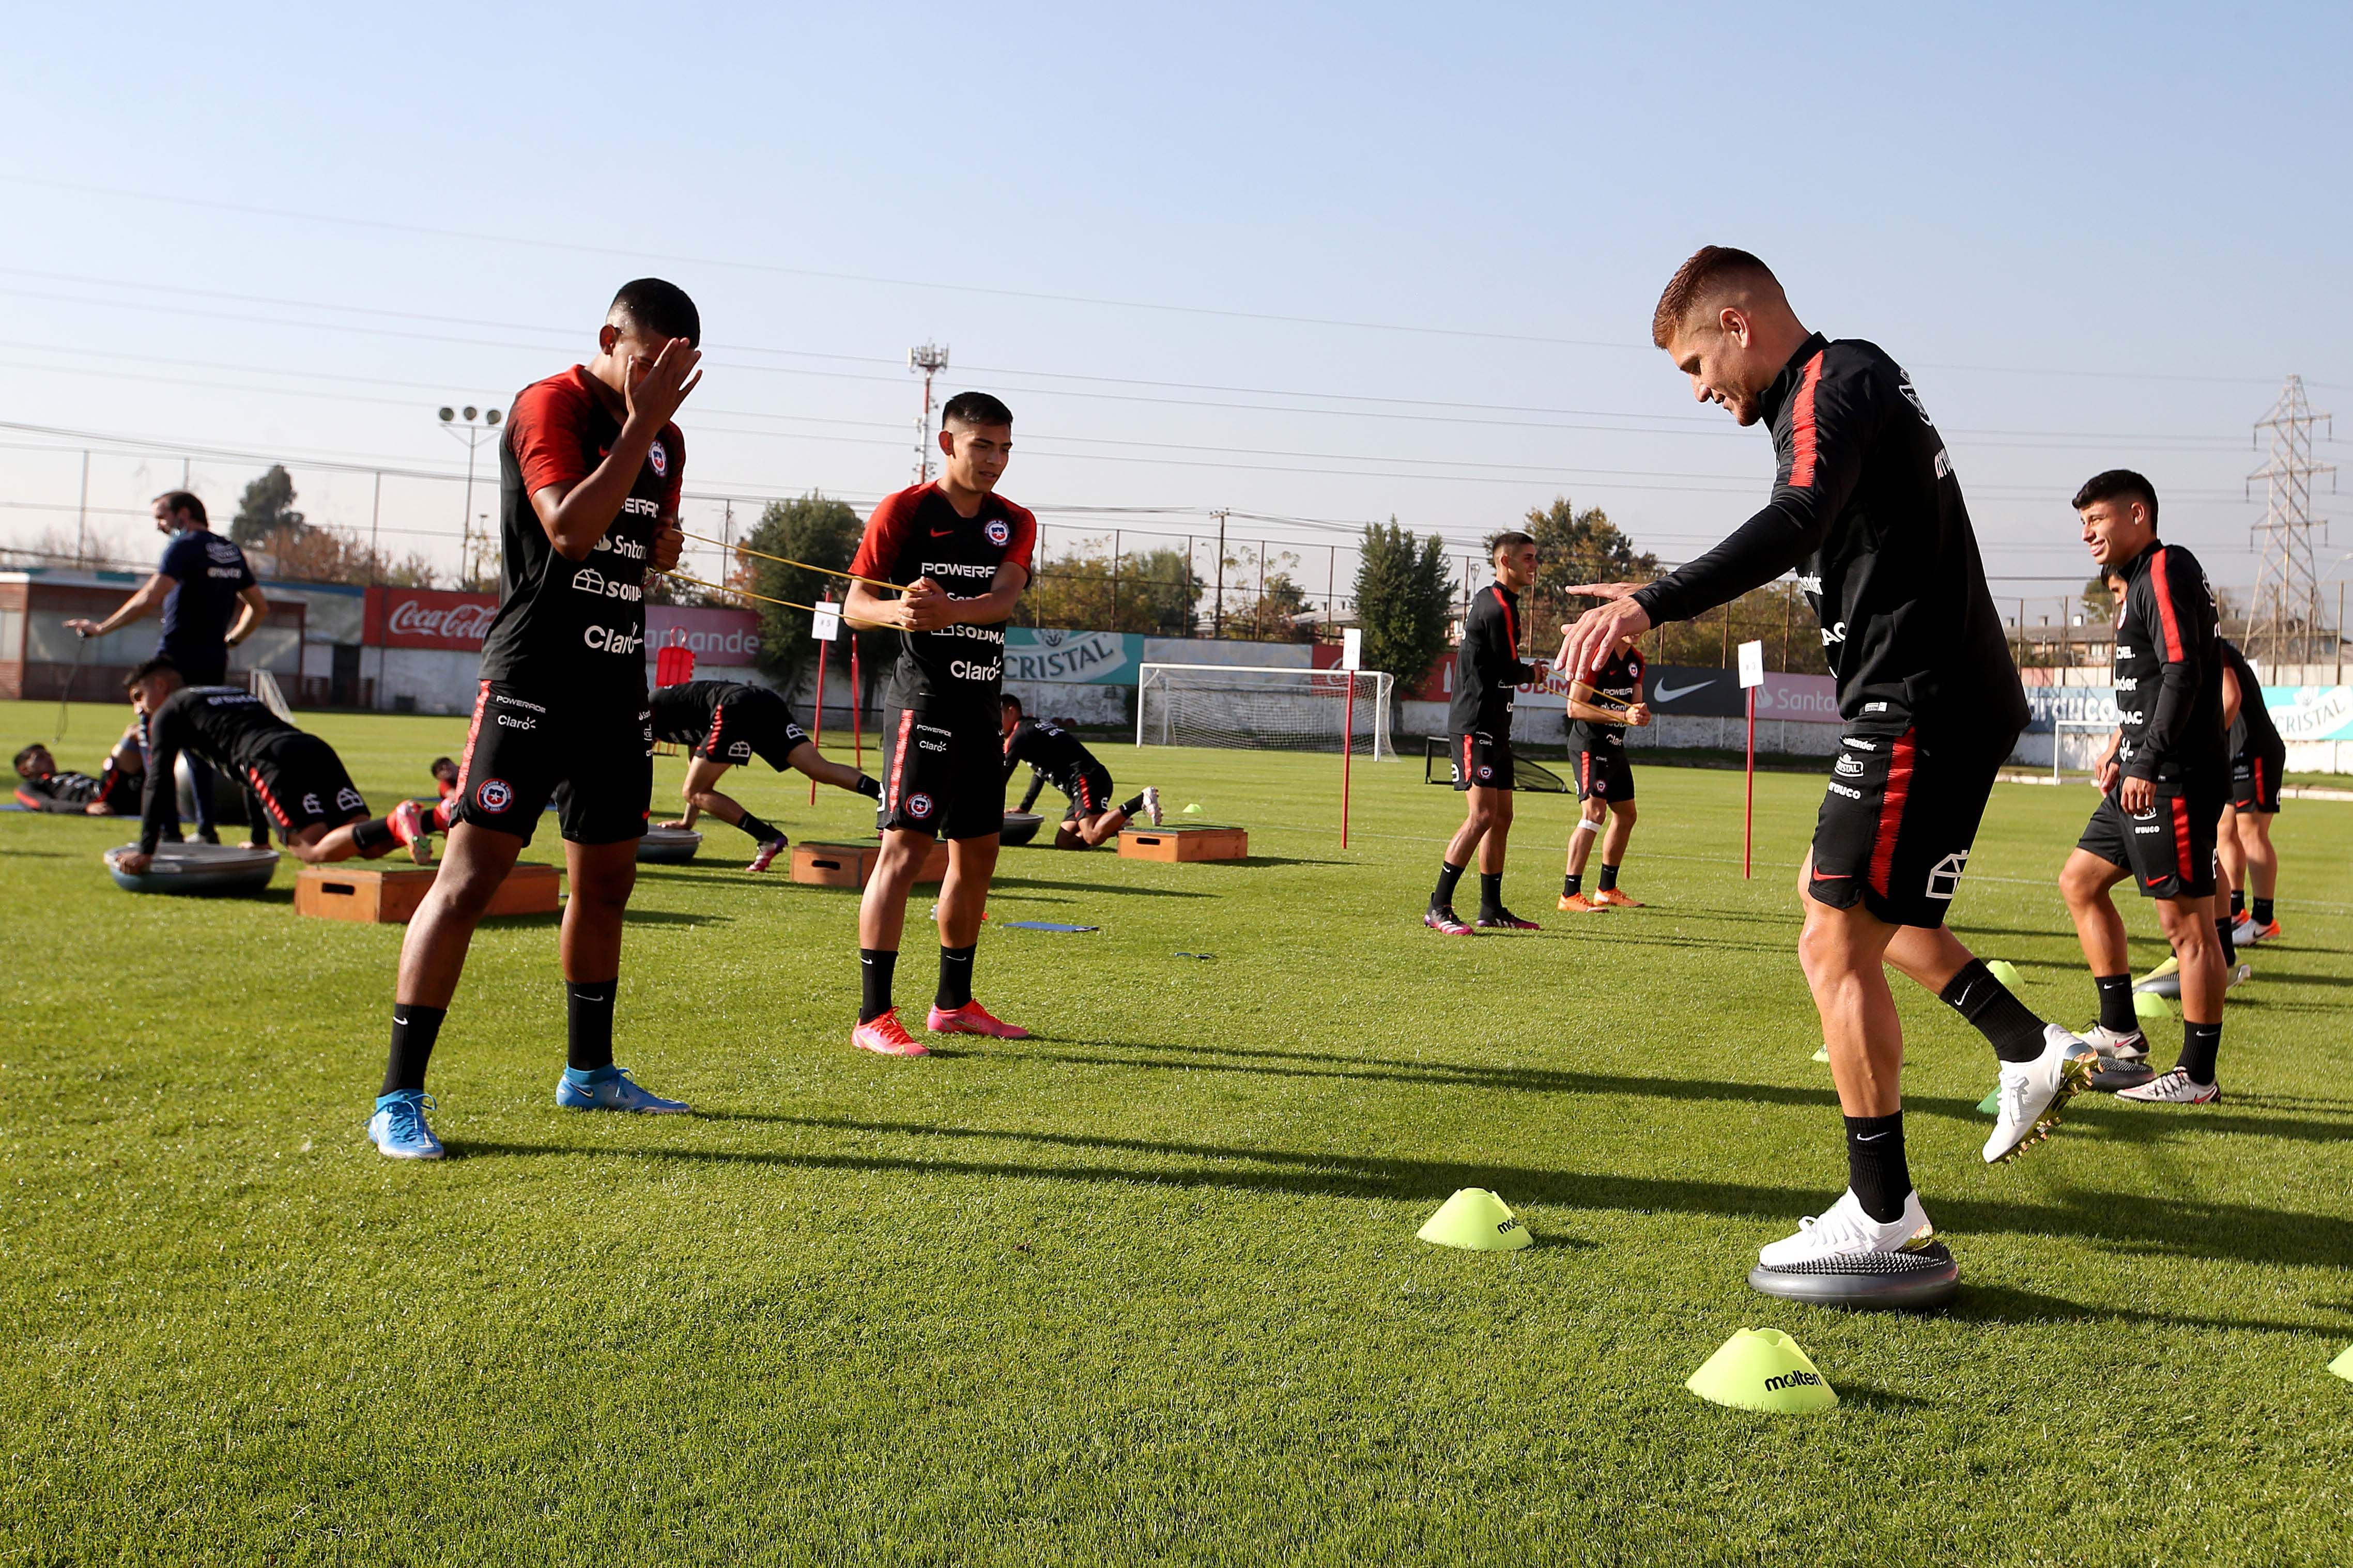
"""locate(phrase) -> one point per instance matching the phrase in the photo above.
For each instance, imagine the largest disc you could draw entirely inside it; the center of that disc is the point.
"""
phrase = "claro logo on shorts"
(494, 795)
(610, 639)
(512, 722)
(965, 669)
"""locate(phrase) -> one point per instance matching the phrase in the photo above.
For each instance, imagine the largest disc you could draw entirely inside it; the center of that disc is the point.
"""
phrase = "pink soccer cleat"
(972, 1019)
(886, 1037)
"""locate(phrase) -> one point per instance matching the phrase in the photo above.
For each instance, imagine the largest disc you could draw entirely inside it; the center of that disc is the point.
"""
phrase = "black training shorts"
(752, 722)
(2170, 850)
(943, 772)
(1483, 759)
(1604, 774)
(594, 757)
(2255, 778)
(1898, 819)
(1089, 793)
(301, 784)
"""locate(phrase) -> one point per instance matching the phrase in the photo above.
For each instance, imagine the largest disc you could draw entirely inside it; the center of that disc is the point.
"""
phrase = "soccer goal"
(1261, 707)
(2076, 744)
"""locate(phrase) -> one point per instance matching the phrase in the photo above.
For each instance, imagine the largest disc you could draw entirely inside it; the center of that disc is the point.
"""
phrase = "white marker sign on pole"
(825, 624)
(1752, 664)
(1352, 648)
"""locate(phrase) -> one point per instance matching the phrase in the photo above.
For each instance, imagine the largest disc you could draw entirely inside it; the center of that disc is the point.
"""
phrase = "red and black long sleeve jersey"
(228, 726)
(1488, 670)
(2168, 670)
(1866, 511)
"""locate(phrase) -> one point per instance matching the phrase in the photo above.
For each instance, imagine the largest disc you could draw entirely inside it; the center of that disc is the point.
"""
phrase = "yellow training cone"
(1477, 1219)
(2150, 1009)
(1823, 1053)
(2006, 972)
(2343, 1366)
(1763, 1369)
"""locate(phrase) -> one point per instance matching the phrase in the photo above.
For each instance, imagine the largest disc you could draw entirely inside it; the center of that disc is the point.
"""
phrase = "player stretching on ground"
(1605, 778)
(589, 469)
(727, 722)
(961, 553)
(290, 778)
(1058, 759)
(114, 793)
(2243, 841)
(1488, 674)
(2163, 781)
(1866, 509)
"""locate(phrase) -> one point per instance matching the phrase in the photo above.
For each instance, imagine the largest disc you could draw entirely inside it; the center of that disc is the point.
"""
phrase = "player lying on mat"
(1058, 758)
(1605, 777)
(114, 793)
(726, 723)
(292, 779)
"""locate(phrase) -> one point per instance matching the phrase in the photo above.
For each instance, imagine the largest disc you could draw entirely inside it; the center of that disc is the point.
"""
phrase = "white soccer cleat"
(1845, 1231)
(2173, 1087)
(1152, 803)
(2031, 1094)
(2240, 974)
(2116, 1045)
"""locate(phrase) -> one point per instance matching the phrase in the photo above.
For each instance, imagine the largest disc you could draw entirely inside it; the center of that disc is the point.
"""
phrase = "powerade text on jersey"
(574, 628)
(917, 534)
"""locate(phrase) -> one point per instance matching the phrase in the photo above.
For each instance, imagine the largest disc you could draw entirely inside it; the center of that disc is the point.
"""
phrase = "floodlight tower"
(2284, 623)
(473, 427)
(929, 360)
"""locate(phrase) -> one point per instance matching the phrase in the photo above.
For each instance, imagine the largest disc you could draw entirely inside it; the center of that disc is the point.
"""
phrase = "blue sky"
(1317, 263)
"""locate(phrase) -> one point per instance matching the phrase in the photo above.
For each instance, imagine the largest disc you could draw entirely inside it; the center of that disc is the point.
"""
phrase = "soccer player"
(114, 793)
(726, 722)
(201, 584)
(291, 778)
(2243, 840)
(961, 554)
(1866, 509)
(2163, 781)
(1605, 778)
(1058, 759)
(589, 472)
(1488, 674)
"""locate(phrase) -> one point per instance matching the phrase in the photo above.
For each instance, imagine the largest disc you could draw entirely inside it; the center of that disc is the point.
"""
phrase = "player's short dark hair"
(440, 763)
(1510, 538)
(2117, 483)
(27, 754)
(976, 408)
(152, 667)
(1012, 701)
(659, 306)
(182, 500)
(1710, 271)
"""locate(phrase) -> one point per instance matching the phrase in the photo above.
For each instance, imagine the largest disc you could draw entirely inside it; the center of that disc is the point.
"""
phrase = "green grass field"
(1146, 1288)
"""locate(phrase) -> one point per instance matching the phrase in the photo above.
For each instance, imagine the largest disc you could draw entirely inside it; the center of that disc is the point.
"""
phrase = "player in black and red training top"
(960, 554)
(589, 470)
(2164, 780)
(2242, 843)
(290, 778)
(727, 723)
(1865, 509)
(1057, 757)
(1605, 777)
(1488, 675)
(40, 786)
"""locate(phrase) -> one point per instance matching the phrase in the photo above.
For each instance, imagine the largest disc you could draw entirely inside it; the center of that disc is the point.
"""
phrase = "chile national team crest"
(658, 456)
(494, 795)
(919, 806)
(998, 532)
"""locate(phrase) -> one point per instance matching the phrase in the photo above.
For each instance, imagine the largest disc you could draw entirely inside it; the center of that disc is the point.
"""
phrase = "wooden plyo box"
(849, 864)
(1184, 843)
(345, 892)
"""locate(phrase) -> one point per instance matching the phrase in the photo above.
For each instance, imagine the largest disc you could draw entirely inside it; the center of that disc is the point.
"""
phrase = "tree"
(1573, 547)
(2099, 603)
(822, 532)
(267, 509)
(1154, 592)
(1404, 598)
(1273, 615)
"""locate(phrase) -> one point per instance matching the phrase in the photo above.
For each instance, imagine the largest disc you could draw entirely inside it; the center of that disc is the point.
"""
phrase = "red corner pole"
(1348, 754)
(1749, 814)
(817, 735)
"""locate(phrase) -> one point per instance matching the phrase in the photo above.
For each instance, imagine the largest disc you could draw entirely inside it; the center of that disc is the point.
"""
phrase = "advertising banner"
(716, 636)
(1088, 659)
(429, 617)
(2311, 713)
(1708, 692)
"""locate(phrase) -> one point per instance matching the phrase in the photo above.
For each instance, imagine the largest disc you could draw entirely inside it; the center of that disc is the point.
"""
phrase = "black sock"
(1491, 893)
(1448, 875)
(375, 830)
(2229, 948)
(2262, 911)
(2201, 1044)
(1876, 1167)
(875, 967)
(414, 1030)
(2117, 1013)
(1132, 807)
(2015, 1033)
(956, 978)
(1609, 882)
(760, 831)
(2238, 901)
(1571, 883)
(589, 1024)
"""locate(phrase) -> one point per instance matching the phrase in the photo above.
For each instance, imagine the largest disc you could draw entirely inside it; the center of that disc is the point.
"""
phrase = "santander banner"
(429, 617)
(716, 636)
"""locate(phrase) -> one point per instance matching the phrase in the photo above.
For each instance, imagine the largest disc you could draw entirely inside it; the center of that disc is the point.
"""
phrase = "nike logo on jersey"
(942, 533)
(1665, 693)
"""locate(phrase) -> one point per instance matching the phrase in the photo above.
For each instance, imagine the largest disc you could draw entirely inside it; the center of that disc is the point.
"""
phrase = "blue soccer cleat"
(611, 1088)
(398, 1129)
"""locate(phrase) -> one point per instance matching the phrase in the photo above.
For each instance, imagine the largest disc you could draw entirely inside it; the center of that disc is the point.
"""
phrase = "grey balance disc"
(669, 846)
(197, 869)
(1021, 827)
(1911, 1281)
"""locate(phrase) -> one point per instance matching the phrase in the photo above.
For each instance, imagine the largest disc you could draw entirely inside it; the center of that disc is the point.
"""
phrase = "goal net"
(1265, 706)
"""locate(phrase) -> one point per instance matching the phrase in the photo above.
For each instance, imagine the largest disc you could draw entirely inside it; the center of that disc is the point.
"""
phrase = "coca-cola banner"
(717, 637)
(429, 618)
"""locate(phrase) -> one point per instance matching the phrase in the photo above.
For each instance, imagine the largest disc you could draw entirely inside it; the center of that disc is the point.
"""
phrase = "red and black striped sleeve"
(887, 530)
(2176, 614)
